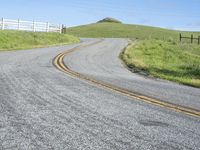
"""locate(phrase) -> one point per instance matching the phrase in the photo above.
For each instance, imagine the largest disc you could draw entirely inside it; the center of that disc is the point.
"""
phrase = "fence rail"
(192, 38)
(21, 25)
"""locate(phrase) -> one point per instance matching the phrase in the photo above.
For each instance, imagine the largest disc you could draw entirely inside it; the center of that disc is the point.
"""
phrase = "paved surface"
(43, 108)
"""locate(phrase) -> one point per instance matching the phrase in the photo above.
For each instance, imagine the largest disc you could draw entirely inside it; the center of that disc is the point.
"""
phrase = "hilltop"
(109, 20)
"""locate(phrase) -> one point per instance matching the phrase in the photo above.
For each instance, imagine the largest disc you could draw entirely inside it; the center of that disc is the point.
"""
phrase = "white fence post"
(47, 27)
(33, 26)
(18, 24)
(60, 28)
(2, 24)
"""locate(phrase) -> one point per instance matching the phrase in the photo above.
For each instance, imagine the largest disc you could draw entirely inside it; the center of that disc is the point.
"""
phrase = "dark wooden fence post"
(180, 37)
(192, 38)
(62, 28)
(199, 40)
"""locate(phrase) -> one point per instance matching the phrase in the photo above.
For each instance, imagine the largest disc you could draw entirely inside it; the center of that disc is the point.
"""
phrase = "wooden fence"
(192, 38)
(21, 25)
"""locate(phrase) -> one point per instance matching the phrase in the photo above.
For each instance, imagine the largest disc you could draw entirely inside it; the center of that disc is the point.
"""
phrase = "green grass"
(14, 40)
(117, 30)
(179, 62)
(157, 51)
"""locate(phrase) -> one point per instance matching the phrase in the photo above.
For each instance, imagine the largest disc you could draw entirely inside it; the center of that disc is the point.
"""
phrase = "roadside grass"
(179, 62)
(15, 40)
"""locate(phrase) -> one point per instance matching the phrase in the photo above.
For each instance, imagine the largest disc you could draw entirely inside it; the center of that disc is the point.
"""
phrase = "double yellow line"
(59, 64)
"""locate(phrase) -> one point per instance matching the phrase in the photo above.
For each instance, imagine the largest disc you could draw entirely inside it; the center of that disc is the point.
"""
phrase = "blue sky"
(173, 14)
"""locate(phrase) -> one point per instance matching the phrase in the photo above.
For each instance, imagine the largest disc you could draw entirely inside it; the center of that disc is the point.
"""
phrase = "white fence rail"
(8, 24)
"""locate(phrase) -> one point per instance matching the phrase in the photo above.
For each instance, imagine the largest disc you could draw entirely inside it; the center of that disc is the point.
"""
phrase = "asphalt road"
(43, 108)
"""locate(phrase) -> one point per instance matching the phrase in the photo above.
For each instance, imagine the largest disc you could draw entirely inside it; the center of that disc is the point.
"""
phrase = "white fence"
(8, 24)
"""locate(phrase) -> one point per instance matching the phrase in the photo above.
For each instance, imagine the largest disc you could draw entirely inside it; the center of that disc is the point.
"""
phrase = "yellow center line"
(59, 64)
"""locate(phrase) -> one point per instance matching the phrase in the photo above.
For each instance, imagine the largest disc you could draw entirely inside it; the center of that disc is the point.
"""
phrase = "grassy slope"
(165, 59)
(117, 30)
(158, 51)
(10, 40)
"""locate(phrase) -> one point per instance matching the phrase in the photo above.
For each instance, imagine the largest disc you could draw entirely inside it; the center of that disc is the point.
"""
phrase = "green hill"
(117, 30)
(10, 40)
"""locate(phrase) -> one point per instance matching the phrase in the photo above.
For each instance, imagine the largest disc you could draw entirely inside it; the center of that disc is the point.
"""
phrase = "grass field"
(14, 40)
(165, 59)
(156, 51)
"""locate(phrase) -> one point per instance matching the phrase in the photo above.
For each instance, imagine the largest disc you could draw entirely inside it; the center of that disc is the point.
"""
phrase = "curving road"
(101, 62)
(43, 108)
